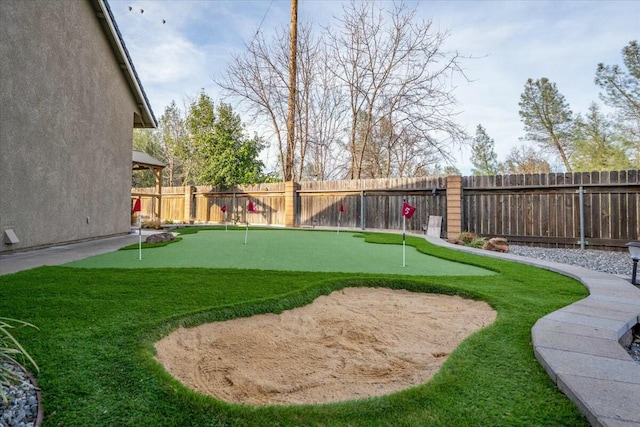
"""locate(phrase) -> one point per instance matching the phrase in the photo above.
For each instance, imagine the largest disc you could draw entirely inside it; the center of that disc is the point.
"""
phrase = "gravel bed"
(22, 409)
(634, 348)
(611, 262)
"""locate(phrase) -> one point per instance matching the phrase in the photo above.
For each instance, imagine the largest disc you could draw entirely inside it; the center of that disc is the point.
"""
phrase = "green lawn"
(286, 250)
(98, 326)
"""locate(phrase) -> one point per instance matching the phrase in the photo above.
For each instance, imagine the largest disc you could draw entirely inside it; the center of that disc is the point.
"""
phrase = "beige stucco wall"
(66, 120)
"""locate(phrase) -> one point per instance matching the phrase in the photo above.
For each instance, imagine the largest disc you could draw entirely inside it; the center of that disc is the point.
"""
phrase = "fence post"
(454, 206)
(188, 196)
(289, 204)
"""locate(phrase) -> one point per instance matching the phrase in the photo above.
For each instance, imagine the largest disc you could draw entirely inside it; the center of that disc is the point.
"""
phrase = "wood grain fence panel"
(614, 208)
(588, 221)
(544, 215)
(634, 213)
(540, 208)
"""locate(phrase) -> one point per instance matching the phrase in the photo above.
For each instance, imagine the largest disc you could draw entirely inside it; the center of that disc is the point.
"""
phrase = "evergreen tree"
(622, 92)
(595, 146)
(547, 118)
(483, 155)
(622, 89)
(225, 155)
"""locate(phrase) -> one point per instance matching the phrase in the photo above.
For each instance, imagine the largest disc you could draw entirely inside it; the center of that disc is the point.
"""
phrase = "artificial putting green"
(285, 250)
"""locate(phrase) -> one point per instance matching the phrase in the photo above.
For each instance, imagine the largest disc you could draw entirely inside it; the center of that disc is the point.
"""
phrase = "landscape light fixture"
(634, 251)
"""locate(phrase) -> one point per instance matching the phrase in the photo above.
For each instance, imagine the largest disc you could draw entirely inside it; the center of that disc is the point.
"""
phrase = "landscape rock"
(160, 237)
(496, 244)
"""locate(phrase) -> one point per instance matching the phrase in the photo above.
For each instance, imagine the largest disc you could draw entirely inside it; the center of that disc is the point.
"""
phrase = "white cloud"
(170, 61)
(511, 40)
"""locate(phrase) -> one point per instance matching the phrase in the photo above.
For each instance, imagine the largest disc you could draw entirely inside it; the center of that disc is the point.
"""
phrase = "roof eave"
(103, 12)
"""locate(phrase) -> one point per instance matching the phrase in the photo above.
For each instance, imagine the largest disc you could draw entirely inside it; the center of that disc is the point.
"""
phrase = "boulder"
(496, 244)
(159, 237)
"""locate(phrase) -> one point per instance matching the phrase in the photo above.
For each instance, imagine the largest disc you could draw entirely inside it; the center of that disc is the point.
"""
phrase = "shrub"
(155, 224)
(10, 352)
(477, 243)
(467, 237)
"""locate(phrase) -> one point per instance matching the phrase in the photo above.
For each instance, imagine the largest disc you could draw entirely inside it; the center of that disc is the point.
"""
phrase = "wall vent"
(10, 237)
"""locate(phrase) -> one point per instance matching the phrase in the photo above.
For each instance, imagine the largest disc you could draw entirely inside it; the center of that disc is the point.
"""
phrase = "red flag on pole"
(251, 207)
(224, 208)
(407, 210)
(341, 208)
(136, 205)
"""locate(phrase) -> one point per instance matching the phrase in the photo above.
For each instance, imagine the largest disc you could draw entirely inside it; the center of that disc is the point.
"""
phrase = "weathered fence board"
(541, 209)
(545, 209)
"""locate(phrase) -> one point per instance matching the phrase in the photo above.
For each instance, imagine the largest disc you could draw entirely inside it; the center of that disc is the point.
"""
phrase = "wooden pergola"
(142, 161)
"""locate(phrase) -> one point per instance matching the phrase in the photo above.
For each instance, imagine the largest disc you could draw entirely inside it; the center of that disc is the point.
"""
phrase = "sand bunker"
(354, 343)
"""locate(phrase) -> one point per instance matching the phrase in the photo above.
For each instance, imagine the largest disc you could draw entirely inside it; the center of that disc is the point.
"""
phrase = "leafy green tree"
(595, 146)
(147, 141)
(483, 155)
(547, 118)
(225, 155)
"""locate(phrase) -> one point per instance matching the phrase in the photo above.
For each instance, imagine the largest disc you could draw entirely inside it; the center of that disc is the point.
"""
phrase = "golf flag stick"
(340, 210)
(404, 228)
(139, 237)
(224, 211)
(137, 207)
(250, 208)
(407, 212)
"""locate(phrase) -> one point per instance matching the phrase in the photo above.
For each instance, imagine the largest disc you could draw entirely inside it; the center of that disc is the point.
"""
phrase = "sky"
(507, 42)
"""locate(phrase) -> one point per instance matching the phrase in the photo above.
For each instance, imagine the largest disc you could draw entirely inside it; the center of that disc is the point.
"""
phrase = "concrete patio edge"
(579, 345)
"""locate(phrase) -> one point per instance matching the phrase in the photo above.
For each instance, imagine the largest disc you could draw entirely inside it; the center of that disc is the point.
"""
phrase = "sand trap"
(354, 343)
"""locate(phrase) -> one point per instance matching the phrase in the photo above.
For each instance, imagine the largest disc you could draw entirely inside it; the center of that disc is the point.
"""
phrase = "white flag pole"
(225, 220)
(246, 233)
(404, 225)
(139, 236)
(339, 215)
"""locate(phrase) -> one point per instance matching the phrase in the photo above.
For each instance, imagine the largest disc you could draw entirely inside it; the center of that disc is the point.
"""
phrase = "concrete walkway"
(579, 345)
(56, 255)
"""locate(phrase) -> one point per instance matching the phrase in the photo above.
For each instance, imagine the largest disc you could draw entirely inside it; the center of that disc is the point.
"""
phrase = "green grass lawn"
(285, 250)
(98, 326)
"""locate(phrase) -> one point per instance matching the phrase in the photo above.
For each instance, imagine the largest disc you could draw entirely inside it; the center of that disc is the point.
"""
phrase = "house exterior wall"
(66, 126)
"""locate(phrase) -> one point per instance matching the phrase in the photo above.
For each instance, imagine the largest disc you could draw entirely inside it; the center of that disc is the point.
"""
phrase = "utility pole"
(293, 42)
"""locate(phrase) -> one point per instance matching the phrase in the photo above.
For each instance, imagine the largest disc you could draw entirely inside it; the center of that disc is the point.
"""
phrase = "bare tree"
(326, 122)
(259, 80)
(373, 94)
(175, 144)
(524, 159)
(395, 70)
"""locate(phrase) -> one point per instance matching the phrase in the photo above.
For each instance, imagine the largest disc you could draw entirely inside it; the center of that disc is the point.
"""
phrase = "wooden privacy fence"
(370, 203)
(595, 209)
(599, 209)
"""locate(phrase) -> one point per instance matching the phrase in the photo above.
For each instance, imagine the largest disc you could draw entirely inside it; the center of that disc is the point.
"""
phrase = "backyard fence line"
(595, 209)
